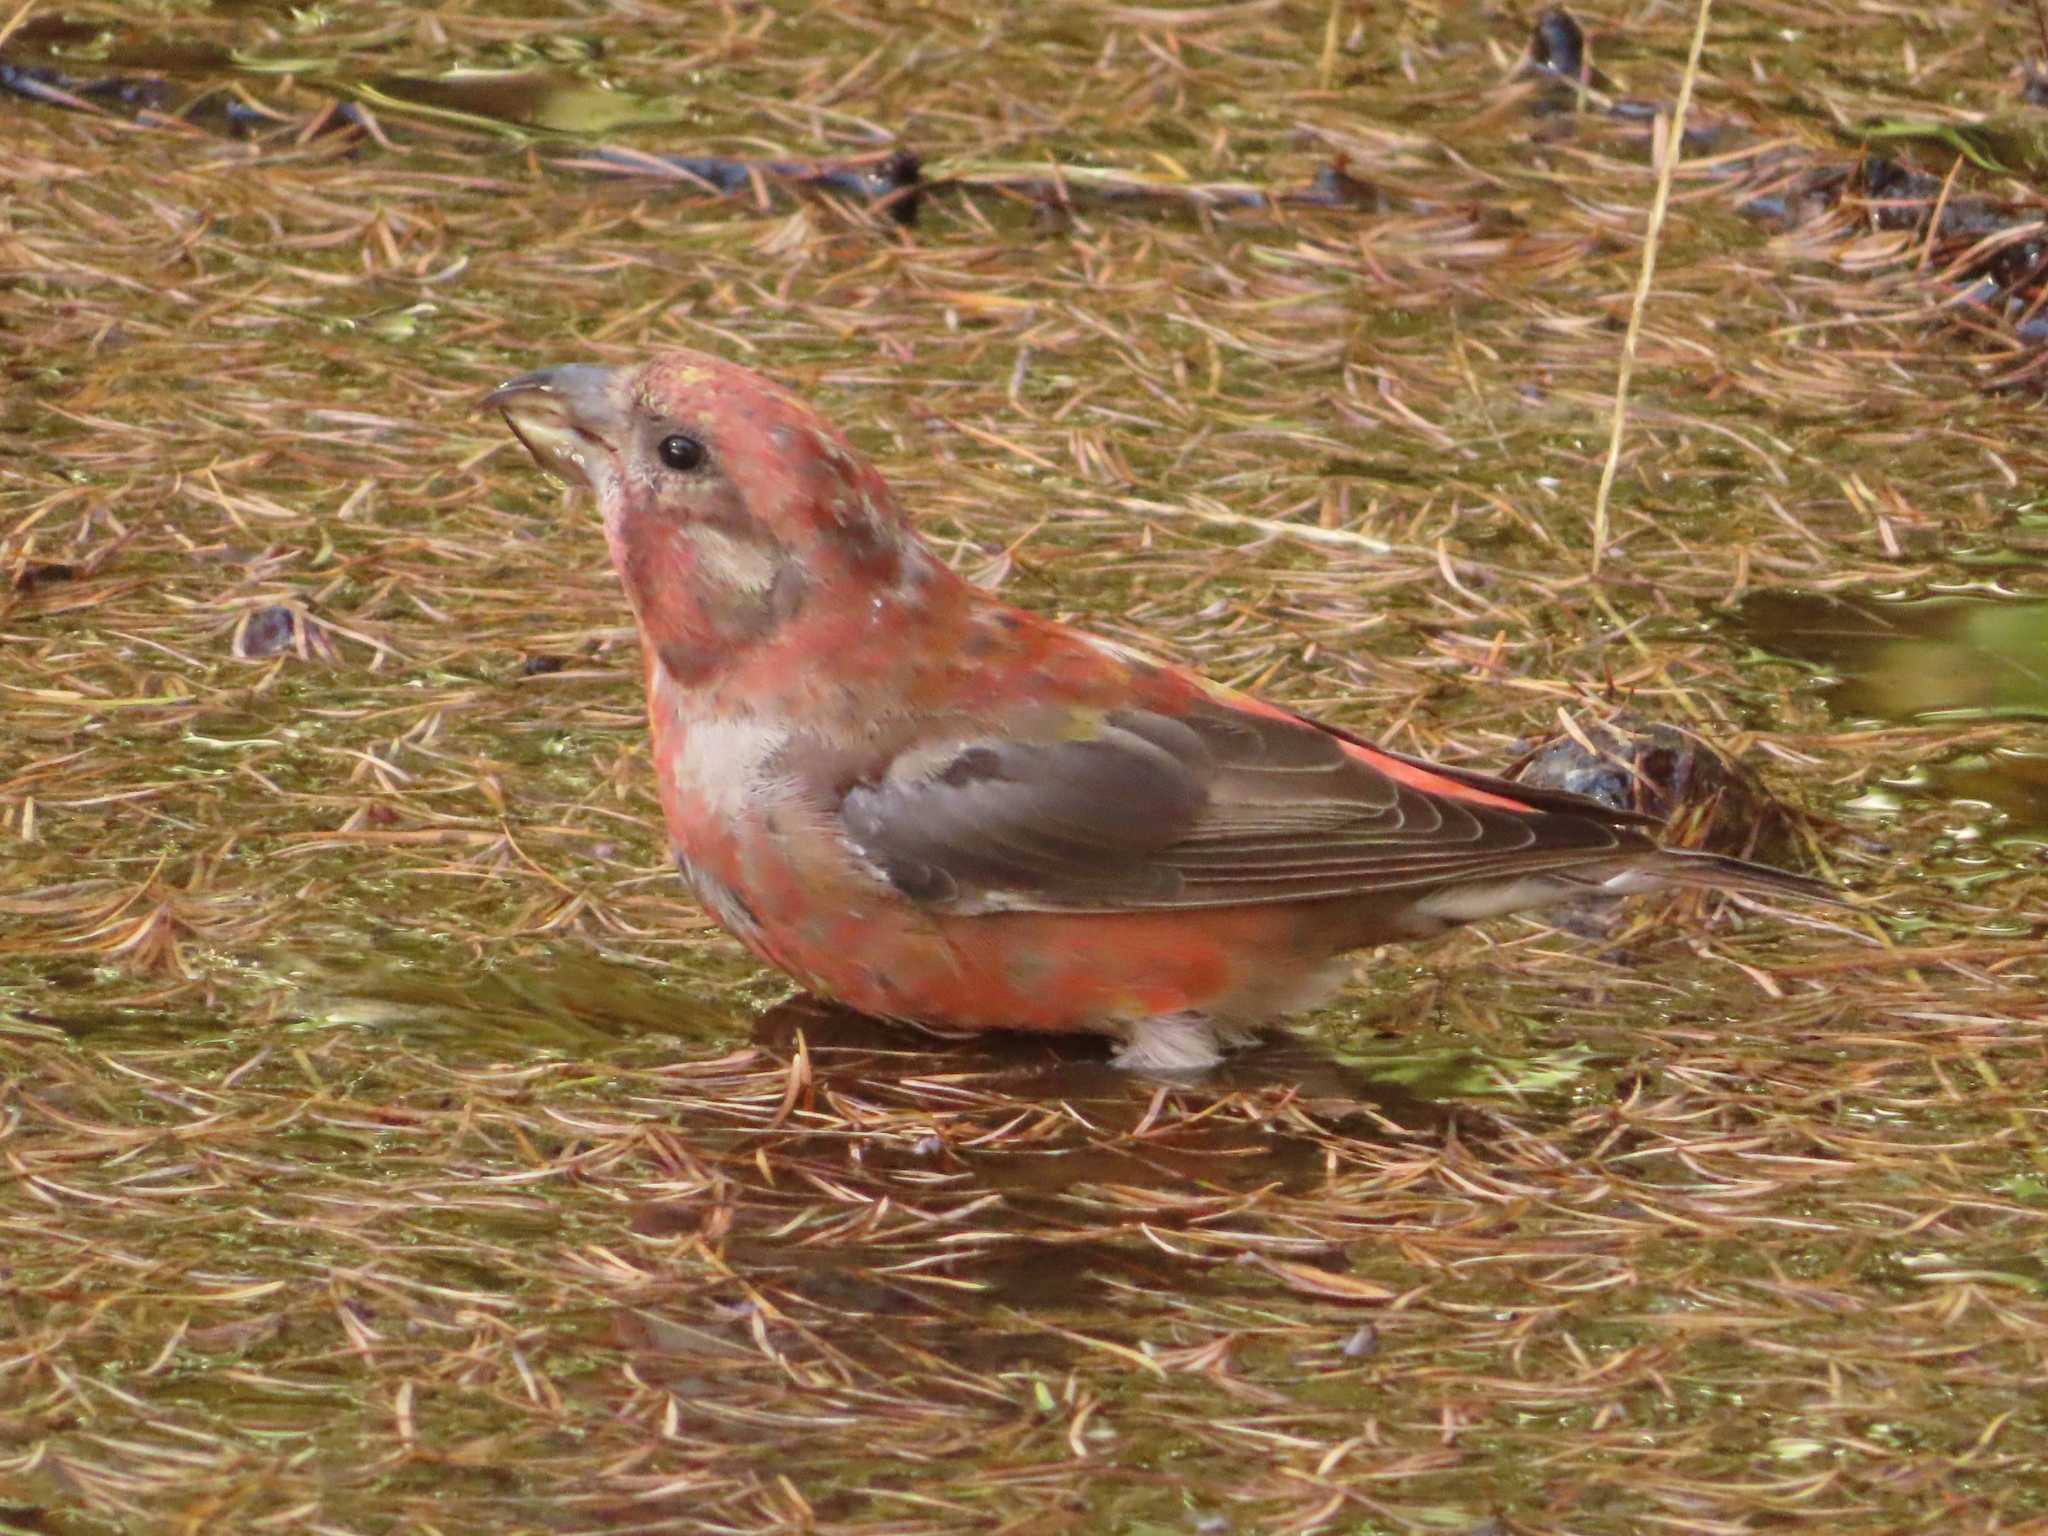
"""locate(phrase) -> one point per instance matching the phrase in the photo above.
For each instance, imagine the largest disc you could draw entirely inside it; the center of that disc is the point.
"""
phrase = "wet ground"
(386, 1144)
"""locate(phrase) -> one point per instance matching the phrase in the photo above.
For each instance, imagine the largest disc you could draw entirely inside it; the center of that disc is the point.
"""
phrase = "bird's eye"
(680, 452)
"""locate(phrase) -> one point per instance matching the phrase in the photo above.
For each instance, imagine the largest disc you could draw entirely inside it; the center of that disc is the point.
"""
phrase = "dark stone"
(269, 632)
(1707, 800)
(1559, 43)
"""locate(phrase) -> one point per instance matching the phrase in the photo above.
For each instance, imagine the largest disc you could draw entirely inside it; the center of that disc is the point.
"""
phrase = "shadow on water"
(1076, 1071)
(907, 1193)
(1093, 1187)
(1938, 660)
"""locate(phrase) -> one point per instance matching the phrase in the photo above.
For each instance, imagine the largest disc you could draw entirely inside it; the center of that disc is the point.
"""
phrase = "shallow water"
(1950, 659)
(391, 1144)
(1966, 657)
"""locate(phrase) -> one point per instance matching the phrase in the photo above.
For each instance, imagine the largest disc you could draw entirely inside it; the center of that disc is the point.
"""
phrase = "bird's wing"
(1222, 805)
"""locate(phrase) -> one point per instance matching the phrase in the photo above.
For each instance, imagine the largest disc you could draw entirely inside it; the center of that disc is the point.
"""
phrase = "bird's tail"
(1721, 872)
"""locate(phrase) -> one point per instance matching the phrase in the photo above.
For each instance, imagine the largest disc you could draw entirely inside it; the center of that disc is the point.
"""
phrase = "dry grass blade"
(1671, 136)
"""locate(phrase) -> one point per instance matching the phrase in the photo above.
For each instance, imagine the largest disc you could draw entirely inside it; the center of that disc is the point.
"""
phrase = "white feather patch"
(1170, 1043)
(723, 761)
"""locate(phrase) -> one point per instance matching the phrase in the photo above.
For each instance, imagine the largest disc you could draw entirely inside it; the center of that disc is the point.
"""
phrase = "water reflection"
(1962, 658)
(941, 1197)
(544, 99)
(1940, 658)
(809, 1190)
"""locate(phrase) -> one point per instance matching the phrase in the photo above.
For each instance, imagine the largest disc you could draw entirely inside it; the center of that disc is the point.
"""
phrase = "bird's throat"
(705, 593)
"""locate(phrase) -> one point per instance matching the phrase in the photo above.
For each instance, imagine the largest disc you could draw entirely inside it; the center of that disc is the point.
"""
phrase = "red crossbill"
(936, 807)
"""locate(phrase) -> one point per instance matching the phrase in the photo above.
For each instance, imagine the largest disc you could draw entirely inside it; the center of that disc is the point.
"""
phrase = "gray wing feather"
(1214, 808)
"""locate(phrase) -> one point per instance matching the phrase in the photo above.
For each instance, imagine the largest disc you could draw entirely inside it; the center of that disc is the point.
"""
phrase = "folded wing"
(1136, 810)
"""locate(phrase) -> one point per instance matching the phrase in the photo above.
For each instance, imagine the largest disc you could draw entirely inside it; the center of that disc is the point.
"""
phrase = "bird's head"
(729, 504)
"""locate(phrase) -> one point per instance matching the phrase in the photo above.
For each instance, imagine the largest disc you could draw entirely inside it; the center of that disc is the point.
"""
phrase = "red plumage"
(933, 806)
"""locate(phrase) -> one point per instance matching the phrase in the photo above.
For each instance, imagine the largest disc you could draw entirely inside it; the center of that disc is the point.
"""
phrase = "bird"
(935, 807)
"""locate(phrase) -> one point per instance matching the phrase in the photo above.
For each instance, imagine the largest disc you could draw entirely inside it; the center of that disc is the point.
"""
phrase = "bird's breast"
(716, 768)
(747, 811)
